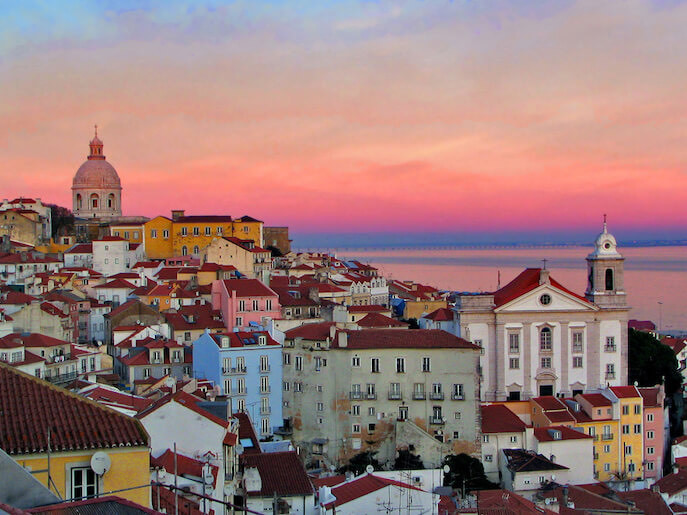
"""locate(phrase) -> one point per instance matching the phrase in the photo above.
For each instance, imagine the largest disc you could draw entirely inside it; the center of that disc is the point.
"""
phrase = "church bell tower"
(605, 283)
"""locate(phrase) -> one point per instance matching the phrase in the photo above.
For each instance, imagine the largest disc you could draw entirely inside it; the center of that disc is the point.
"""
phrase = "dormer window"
(225, 342)
(262, 340)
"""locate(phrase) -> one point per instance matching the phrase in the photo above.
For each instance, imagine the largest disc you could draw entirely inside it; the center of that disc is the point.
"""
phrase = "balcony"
(61, 378)
(265, 369)
(596, 455)
(457, 397)
(609, 348)
(436, 421)
(266, 389)
(371, 396)
(436, 396)
(395, 396)
(607, 436)
(239, 370)
(265, 410)
(610, 375)
(356, 395)
(419, 396)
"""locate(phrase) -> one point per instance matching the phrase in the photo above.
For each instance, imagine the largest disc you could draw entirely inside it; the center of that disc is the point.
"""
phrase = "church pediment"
(546, 297)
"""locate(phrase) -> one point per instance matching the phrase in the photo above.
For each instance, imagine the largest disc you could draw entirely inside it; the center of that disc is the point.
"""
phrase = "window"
(577, 362)
(240, 404)
(356, 428)
(264, 384)
(146, 373)
(196, 231)
(456, 435)
(241, 385)
(395, 391)
(196, 250)
(355, 361)
(297, 386)
(610, 371)
(546, 362)
(578, 341)
(208, 231)
(650, 465)
(374, 365)
(286, 386)
(609, 279)
(355, 410)
(649, 450)
(610, 344)
(184, 231)
(545, 299)
(371, 391)
(458, 394)
(242, 305)
(485, 438)
(165, 234)
(626, 410)
(227, 386)
(607, 467)
(265, 425)
(371, 411)
(268, 305)
(287, 358)
(638, 409)
(436, 413)
(256, 305)
(488, 458)
(626, 429)
(400, 365)
(638, 429)
(84, 483)
(299, 363)
(320, 406)
(184, 250)
(514, 363)
(513, 439)
(426, 364)
(607, 448)
(631, 467)
(403, 413)
(514, 343)
(545, 339)
(264, 363)
(649, 417)
(239, 321)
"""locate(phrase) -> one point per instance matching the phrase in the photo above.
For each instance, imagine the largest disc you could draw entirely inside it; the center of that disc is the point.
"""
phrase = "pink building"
(654, 430)
(243, 301)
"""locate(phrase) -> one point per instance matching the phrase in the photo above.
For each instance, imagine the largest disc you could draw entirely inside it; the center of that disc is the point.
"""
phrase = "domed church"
(96, 189)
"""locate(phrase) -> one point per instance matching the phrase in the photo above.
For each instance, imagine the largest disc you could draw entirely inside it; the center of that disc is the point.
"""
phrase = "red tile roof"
(505, 502)
(247, 432)
(29, 406)
(185, 465)
(16, 297)
(497, 418)
(677, 344)
(361, 486)
(545, 434)
(318, 331)
(548, 402)
(641, 325)
(625, 392)
(409, 339)
(112, 397)
(648, 501)
(379, 320)
(583, 499)
(328, 481)
(596, 399)
(30, 340)
(673, 483)
(282, 473)
(243, 338)
(111, 238)
(441, 315)
(197, 316)
(650, 396)
(80, 248)
(527, 281)
(248, 288)
(117, 283)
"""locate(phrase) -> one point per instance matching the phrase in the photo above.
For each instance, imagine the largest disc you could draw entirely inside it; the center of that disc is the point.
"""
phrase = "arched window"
(94, 200)
(111, 201)
(184, 250)
(78, 201)
(609, 279)
(196, 250)
(545, 338)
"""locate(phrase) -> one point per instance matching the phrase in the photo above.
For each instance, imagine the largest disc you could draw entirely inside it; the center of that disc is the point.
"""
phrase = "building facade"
(540, 338)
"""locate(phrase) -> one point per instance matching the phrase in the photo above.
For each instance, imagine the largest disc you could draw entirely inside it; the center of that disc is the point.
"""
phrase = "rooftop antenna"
(545, 260)
(498, 280)
(96, 132)
(605, 228)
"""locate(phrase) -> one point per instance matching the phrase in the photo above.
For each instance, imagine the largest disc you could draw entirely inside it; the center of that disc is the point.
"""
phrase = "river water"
(655, 277)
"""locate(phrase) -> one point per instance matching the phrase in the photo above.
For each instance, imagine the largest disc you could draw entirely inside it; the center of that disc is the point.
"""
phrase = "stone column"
(565, 360)
(500, 358)
(594, 372)
(527, 360)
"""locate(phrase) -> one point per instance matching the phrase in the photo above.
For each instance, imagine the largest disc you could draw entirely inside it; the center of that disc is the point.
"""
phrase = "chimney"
(544, 276)
(343, 339)
(177, 213)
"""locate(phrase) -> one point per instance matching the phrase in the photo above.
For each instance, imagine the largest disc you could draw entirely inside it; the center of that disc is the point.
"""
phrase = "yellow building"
(56, 433)
(132, 232)
(188, 235)
(631, 444)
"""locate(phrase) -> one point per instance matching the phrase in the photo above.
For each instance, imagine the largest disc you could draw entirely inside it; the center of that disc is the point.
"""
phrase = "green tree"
(466, 473)
(406, 460)
(358, 463)
(62, 220)
(650, 362)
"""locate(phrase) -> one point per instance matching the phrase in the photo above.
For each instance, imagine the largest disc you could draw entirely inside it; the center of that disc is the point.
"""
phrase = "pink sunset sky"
(358, 116)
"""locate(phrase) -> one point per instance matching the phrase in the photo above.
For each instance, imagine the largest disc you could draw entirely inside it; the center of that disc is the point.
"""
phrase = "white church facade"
(540, 338)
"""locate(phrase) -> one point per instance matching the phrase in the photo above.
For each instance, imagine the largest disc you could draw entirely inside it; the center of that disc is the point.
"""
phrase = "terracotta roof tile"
(318, 331)
(409, 339)
(361, 486)
(497, 418)
(379, 320)
(527, 281)
(625, 392)
(248, 288)
(29, 406)
(441, 315)
(546, 434)
(673, 483)
(281, 473)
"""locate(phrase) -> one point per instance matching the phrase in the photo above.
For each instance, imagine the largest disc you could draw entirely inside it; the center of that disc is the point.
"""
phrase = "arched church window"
(609, 279)
(94, 201)
(545, 338)
(78, 201)
(111, 201)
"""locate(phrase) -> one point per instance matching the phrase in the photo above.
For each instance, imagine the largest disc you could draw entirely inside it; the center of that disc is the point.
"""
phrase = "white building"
(540, 338)
(114, 255)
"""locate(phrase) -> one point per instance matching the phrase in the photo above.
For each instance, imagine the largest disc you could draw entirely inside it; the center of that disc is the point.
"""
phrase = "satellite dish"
(207, 475)
(447, 469)
(170, 382)
(100, 463)
(369, 469)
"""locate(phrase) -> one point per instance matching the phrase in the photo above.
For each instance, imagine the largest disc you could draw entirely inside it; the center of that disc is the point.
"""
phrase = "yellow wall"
(415, 309)
(159, 247)
(130, 467)
(131, 233)
(610, 457)
(634, 439)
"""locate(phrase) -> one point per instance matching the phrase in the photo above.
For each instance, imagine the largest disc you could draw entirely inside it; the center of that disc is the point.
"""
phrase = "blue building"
(247, 366)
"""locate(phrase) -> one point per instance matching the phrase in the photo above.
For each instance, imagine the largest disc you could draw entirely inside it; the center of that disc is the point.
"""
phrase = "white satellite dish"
(170, 382)
(369, 469)
(447, 469)
(100, 463)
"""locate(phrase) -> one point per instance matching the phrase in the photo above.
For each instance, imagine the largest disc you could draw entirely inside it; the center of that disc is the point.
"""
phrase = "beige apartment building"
(348, 391)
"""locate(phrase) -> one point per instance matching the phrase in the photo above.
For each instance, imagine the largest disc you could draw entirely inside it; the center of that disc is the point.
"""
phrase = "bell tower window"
(94, 201)
(609, 279)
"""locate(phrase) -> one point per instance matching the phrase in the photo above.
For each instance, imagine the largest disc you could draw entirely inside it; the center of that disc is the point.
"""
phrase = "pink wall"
(656, 442)
(229, 303)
